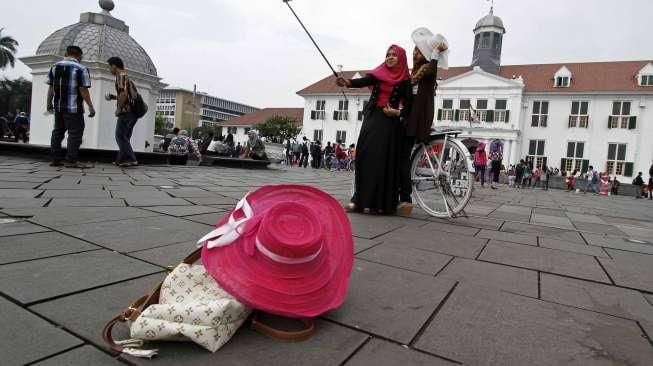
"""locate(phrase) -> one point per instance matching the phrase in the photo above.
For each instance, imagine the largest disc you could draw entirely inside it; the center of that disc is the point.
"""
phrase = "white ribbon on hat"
(228, 233)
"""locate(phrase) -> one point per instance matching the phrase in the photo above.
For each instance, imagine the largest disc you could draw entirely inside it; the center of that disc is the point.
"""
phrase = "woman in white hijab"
(254, 148)
(430, 53)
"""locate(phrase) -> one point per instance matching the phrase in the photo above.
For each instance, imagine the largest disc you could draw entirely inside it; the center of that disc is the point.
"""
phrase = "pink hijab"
(389, 77)
(395, 75)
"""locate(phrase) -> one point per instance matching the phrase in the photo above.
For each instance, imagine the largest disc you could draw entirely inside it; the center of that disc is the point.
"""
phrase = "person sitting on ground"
(571, 181)
(255, 148)
(180, 148)
(615, 186)
(218, 147)
(168, 138)
(21, 124)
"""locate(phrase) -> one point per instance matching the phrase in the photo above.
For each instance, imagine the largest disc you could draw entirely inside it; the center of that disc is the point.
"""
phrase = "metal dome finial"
(107, 6)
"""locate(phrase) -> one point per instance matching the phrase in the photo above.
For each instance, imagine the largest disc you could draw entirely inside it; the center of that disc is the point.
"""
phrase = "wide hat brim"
(292, 290)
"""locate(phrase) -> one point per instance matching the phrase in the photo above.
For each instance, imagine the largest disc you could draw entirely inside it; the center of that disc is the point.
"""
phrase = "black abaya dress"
(378, 150)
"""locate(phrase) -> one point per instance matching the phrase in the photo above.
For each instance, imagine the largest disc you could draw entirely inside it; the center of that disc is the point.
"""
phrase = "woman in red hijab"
(377, 153)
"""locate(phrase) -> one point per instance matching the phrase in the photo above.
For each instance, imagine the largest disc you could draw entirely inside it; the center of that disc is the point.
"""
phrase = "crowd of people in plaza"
(334, 157)
(527, 175)
(15, 127)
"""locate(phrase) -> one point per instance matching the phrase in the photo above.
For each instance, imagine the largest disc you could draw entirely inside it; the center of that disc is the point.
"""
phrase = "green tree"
(15, 95)
(8, 47)
(160, 125)
(278, 129)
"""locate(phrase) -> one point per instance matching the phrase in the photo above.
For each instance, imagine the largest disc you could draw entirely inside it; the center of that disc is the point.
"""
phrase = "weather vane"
(491, 6)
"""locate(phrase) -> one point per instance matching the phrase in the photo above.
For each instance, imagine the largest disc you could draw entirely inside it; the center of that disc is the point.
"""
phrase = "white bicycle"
(442, 174)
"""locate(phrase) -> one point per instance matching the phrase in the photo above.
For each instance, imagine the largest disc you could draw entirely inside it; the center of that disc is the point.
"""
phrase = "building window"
(341, 136)
(463, 113)
(616, 163)
(342, 114)
(361, 112)
(446, 113)
(485, 39)
(578, 116)
(496, 42)
(621, 117)
(500, 112)
(481, 110)
(232, 130)
(536, 152)
(247, 129)
(646, 80)
(562, 82)
(319, 112)
(574, 160)
(477, 41)
(317, 135)
(540, 114)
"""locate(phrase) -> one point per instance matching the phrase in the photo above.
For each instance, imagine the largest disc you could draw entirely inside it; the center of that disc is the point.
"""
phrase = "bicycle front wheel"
(442, 177)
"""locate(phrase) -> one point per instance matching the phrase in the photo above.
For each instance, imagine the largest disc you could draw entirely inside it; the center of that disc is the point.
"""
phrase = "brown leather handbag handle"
(135, 309)
(284, 335)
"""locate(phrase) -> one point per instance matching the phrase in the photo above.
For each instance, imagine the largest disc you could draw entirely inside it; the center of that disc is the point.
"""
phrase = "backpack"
(178, 146)
(139, 108)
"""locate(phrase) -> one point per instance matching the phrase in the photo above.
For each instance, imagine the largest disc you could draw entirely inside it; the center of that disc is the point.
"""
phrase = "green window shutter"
(313, 115)
(585, 166)
(507, 116)
(456, 115)
(490, 116)
(628, 170)
(569, 122)
(609, 120)
(632, 123)
(335, 115)
(439, 114)
(563, 163)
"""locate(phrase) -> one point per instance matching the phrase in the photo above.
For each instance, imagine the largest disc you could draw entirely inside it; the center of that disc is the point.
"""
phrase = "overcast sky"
(254, 51)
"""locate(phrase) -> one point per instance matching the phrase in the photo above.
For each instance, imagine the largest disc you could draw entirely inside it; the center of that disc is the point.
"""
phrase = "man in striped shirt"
(69, 82)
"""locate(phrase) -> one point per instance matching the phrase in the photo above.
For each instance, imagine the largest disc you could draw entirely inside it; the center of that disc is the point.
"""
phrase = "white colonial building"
(567, 115)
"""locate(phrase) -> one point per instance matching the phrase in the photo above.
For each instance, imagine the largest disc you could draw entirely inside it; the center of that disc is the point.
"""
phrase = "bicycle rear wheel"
(442, 177)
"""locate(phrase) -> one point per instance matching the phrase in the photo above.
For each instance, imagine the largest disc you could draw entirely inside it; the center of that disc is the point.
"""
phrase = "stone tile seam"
(604, 270)
(384, 338)
(575, 307)
(445, 266)
(431, 317)
(77, 292)
(126, 254)
(366, 249)
(358, 348)
(567, 276)
(395, 267)
(49, 256)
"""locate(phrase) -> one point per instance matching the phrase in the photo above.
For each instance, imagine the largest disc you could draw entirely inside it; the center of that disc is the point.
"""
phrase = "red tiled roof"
(260, 116)
(614, 76)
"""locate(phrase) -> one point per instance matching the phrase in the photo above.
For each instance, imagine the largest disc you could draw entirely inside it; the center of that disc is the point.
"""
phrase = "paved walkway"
(530, 278)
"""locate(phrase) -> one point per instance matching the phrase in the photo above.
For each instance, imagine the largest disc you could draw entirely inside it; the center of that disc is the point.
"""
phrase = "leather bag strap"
(284, 335)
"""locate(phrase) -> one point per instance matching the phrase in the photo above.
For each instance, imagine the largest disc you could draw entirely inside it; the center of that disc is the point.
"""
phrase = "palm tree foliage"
(8, 47)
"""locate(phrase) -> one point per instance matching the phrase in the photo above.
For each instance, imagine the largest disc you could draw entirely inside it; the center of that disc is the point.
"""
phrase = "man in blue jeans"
(125, 96)
(69, 82)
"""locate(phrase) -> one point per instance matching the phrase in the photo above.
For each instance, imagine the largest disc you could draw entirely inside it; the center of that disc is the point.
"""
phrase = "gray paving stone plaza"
(528, 278)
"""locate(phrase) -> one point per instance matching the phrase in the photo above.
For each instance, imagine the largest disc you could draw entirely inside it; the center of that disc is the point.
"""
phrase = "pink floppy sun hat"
(284, 249)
